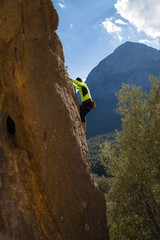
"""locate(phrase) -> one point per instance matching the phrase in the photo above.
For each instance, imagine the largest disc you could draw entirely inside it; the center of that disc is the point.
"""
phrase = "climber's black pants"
(85, 107)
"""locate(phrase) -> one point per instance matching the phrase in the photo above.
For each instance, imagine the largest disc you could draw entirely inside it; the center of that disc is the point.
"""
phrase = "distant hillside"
(130, 63)
(94, 145)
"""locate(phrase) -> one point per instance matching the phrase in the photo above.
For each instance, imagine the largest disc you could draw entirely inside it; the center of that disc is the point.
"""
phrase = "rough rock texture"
(46, 190)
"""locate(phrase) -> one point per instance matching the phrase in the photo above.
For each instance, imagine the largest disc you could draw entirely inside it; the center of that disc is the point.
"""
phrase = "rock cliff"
(46, 190)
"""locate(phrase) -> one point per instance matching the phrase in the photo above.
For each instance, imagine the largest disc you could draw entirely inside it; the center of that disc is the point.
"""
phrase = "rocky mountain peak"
(129, 56)
(130, 63)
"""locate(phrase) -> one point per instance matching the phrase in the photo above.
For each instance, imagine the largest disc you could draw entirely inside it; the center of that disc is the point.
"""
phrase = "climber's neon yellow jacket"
(83, 90)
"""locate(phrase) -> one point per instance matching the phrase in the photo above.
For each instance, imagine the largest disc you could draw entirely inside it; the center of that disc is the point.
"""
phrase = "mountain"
(130, 63)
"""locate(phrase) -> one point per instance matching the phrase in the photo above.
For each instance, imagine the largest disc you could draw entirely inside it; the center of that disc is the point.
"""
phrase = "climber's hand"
(66, 75)
(69, 77)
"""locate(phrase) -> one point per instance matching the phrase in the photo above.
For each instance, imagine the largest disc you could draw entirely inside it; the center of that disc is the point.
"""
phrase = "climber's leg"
(84, 126)
(83, 116)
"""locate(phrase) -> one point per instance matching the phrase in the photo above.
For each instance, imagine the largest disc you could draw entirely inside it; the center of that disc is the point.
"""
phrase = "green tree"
(134, 161)
(94, 146)
(102, 184)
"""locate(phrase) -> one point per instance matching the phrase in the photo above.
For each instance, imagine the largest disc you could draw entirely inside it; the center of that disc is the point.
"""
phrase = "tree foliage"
(134, 162)
(102, 183)
(94, 146)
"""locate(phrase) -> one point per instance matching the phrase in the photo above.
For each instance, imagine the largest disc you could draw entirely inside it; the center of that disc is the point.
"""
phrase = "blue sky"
(90, 30)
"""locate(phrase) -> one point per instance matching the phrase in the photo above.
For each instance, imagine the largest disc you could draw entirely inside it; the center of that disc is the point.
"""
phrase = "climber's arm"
(80, 84)
(75, 82)
(75, 86)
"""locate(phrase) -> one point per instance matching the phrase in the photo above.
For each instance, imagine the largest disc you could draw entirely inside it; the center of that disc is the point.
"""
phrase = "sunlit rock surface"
(46, 190)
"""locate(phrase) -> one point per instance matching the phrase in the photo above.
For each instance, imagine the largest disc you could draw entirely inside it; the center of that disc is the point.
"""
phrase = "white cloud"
(143, 14)
(110, 26)
(154, 42)
(119, 21)
(145, 41)
(61, 5)
(120, 38)
(71, 25)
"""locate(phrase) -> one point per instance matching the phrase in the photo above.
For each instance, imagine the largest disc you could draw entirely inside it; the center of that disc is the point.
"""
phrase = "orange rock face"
(46, 189)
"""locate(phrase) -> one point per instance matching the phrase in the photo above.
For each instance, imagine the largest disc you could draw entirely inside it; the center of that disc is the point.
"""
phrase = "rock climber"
(87, 102)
